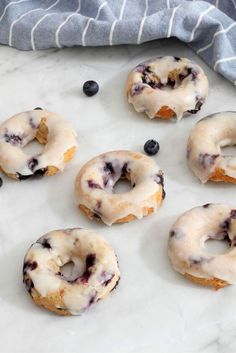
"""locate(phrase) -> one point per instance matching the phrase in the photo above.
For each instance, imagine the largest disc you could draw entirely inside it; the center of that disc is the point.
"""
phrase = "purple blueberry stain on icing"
(92, 299)
(115, 286)
(32, 124)
(197, 107)
(46, 244)
(32, 163)
(29, 266)
(13, 139)
(106, 277)
(136, 89)
(176, 234)
(158, 178)
(89, 263)
(141, 68)
(207, 160)
(233, 214)
(198, 260)
(124, 170)
(93, 185)
(97, 210)
(29, 285)
(108, 168)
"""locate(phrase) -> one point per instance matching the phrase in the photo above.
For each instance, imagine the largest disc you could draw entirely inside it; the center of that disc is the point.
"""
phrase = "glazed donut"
(187, 245)
(204, 148)
(74, 293)
(167, 87)
(49, 129)
(95, 182)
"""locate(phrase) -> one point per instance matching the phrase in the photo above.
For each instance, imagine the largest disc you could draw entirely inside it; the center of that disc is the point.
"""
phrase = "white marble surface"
(153, 309)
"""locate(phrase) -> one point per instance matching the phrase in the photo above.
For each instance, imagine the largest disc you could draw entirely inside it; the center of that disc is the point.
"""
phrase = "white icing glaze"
(63, 246)
(144, 173)
(185, 94)
(205, 142)
(19, 130)
(189, 234)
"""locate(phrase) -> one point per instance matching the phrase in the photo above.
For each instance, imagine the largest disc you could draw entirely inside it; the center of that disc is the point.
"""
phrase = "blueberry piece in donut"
(93, 185)
(124, 170)
(92, 300)
(46, 244)
(198, 260)
(106, 277)
(165, 78)
(197, 107)
(116, 285)
(137, 89)
(233, 214)
(50, 288)
(32, 163)
(29, 266)
(13, 139)
(206, 205)
(90, 262)
(1, 182)
(206, 160)
(29, 285)
(33, 124)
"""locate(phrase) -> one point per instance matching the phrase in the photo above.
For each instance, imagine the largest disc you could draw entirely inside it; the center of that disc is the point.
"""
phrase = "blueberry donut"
(95, 182)
(167, 87)
(94, 275)
(204, 148)
(47, 128)
(187, 240)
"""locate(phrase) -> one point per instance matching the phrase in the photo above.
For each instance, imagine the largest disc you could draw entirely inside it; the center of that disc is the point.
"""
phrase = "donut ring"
(73, 294)
(187, 239)
(167, 87)
(204, 148)
(96, 179)
(49, 129)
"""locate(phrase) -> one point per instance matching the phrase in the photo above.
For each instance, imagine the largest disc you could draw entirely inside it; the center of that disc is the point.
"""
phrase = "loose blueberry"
(1, 182)
(151, 147)
(38, 108)
(90, 88)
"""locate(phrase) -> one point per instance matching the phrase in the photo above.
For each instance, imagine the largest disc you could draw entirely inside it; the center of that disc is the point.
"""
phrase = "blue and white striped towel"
(209, 27)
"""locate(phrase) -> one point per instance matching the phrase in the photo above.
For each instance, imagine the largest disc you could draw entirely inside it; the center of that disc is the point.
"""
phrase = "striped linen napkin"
(209, 27)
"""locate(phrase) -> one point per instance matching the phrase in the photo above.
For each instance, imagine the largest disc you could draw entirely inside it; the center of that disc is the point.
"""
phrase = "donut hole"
(34, 148)
(215, 246)
(228, 151)
(174, 80)
(72, 270)
(122, 186)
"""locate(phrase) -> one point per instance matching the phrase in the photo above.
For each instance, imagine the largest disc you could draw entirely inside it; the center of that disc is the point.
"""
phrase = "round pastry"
(49, 129)
(204, 148)
(167, 87)
(96, 180)
(94, 275)
(187, 240)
